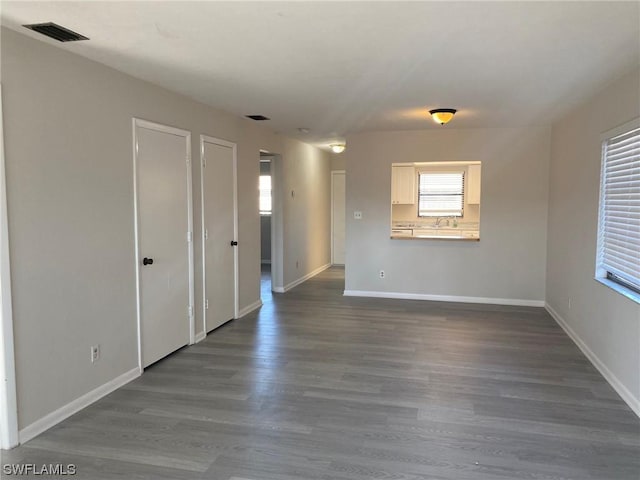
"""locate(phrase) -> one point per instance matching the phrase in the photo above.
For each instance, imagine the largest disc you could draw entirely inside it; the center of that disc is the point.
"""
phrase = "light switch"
(357, 215)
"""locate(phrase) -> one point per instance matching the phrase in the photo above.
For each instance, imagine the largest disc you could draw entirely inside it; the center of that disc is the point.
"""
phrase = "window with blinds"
(265, 194)
(441, 194)
(619, 223)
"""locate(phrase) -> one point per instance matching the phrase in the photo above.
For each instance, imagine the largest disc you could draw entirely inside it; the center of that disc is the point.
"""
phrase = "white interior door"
(338, 189)
(163, 178)
(219, 226)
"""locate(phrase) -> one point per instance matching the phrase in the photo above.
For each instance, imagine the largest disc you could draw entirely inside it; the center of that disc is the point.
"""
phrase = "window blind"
(619, 223)
(441, 194)
(265, 194)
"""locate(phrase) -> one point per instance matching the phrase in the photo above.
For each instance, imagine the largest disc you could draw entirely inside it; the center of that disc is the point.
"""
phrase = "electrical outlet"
(569, 302)
(357, 215)
(297, 264)
(381, 273)
(95, 353)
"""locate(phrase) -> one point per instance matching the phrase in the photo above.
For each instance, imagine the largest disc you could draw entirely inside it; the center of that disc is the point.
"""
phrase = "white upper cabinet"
(473, 185)
(403, 185)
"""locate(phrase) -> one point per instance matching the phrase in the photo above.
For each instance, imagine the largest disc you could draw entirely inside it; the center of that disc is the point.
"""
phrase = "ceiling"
(343, 67)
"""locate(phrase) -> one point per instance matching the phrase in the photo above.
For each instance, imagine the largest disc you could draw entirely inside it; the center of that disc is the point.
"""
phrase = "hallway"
(315, 385)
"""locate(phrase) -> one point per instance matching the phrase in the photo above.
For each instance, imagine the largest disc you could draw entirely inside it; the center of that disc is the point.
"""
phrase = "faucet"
(439, 220)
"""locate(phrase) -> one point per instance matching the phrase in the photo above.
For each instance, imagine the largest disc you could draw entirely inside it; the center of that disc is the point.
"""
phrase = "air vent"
(258, 118)
(56, 32)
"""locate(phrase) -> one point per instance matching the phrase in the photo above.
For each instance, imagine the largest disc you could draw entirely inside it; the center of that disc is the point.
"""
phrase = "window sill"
(621, 289)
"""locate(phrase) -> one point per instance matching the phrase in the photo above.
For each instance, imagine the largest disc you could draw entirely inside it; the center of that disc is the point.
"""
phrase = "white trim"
(620, 129)
(619, 288)
(139, 123)
(236, 262)
(445, 298)
(55, 417)
(277, 223)
(437, 164)
(249, 308)
(8, 399)
(159, 127)
(265, 262)
(190, 245)
(333, 174)
(300, 280)
(236, 285)
(200, 336)
(136, 236)
(609, 376)
(203, 240)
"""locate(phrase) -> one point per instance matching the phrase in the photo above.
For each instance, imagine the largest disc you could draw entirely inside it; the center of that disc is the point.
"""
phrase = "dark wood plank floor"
(320, 386)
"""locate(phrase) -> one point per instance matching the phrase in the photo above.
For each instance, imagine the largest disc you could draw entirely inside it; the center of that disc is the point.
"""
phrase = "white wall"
(70, 207)
(338, 161)
(607, 322)
(507, 263)
(307, 239)
(265, 239)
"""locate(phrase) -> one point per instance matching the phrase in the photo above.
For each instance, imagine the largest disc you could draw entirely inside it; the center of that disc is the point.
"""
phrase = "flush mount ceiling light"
(442, 115)
(337, 147)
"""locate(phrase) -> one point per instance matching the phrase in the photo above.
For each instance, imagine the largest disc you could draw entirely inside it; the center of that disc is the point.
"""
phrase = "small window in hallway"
(265, 194)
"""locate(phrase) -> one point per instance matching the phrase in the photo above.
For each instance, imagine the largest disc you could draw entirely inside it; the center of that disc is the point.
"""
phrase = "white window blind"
(440, 194)
(619, 223)
(265, 194)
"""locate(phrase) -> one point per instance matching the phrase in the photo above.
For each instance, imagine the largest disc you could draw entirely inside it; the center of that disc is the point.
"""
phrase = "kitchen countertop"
(435, 237)
(428, 231)
(431, 224)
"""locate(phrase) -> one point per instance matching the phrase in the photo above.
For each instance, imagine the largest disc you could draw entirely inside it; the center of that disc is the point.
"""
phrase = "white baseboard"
(55, 417)
(200, 336)
(445, 298)
(249, 308)
(300, 280)
(609, 376)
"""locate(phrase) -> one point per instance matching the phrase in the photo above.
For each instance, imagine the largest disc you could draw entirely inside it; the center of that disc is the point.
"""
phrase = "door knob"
(147, 261)
(234, 243)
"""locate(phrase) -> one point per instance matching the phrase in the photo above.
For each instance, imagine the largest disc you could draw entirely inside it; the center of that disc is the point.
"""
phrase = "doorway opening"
(266, 210)
(271, 225)
(338, 192)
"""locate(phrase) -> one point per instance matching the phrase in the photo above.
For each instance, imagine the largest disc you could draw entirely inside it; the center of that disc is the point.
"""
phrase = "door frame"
(137, 122)
(8, 399)
(333, 174)
(277, 228)
(236, 283)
